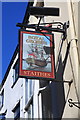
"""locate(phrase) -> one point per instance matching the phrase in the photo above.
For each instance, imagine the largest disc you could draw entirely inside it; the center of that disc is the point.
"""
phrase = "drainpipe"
(74, 51)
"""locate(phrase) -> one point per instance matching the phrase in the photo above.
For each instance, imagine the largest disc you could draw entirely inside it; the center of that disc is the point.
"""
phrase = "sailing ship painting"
(36, 53)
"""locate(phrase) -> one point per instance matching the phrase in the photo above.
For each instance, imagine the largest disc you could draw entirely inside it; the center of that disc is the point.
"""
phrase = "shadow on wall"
(53, 98)
(57, 93)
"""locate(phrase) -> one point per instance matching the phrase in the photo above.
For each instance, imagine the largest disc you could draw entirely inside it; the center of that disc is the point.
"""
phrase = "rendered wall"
(67, 68)
(12, 95)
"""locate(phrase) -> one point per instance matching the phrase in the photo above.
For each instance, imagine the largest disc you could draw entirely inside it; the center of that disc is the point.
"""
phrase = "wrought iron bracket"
(39, 27)
(73, 103)
(41, 12)
(44, 88)
(64, 81)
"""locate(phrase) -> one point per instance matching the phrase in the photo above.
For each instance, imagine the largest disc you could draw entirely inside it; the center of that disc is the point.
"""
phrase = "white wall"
(12, 95)
(71, 68)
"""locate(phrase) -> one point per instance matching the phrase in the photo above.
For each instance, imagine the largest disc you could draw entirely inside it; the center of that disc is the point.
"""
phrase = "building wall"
(79, 50)
(13, 94)
(67, 68)
(71, 68)
(50, 99)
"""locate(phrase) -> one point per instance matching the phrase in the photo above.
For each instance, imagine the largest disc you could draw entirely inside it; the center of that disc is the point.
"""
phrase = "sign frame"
(34, 74)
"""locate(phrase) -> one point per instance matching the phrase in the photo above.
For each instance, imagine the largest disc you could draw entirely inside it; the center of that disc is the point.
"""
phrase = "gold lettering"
(35, 73)
(39, 74)
(24, 72)
(32, 73)
(35, 37)
(49, 74)
(41, 41)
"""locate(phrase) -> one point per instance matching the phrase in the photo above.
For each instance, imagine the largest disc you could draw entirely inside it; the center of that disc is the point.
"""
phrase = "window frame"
(14, 73)
(29, 107)
(29, 99)
(2, 99)
(16, 111)
(29, 89)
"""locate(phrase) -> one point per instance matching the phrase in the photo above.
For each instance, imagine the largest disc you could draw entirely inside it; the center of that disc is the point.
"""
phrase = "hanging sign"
(36, 55)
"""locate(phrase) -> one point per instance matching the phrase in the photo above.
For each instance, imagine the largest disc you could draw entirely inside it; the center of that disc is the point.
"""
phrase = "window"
(16, 111)
(29, 108)
(26, 91)
(29, 98)
(2, 99)
(29, 89)
(30, 111)
(2, 116)
(15, 71)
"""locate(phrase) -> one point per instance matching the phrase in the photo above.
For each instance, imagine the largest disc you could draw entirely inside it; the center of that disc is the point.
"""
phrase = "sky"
(12, 13)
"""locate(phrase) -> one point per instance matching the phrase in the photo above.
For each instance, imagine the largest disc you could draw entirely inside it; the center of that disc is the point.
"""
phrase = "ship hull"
(41, 63)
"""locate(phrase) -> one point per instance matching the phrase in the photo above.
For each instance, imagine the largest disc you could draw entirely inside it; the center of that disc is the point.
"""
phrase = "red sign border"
(36, 74)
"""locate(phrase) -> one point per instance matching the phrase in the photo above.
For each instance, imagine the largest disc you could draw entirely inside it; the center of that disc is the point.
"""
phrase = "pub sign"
(36, 55)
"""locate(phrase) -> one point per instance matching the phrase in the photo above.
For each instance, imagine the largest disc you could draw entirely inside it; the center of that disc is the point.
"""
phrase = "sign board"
(36, 55)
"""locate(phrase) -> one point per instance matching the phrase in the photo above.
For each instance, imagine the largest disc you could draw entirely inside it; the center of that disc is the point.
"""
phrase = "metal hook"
(72, 103)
